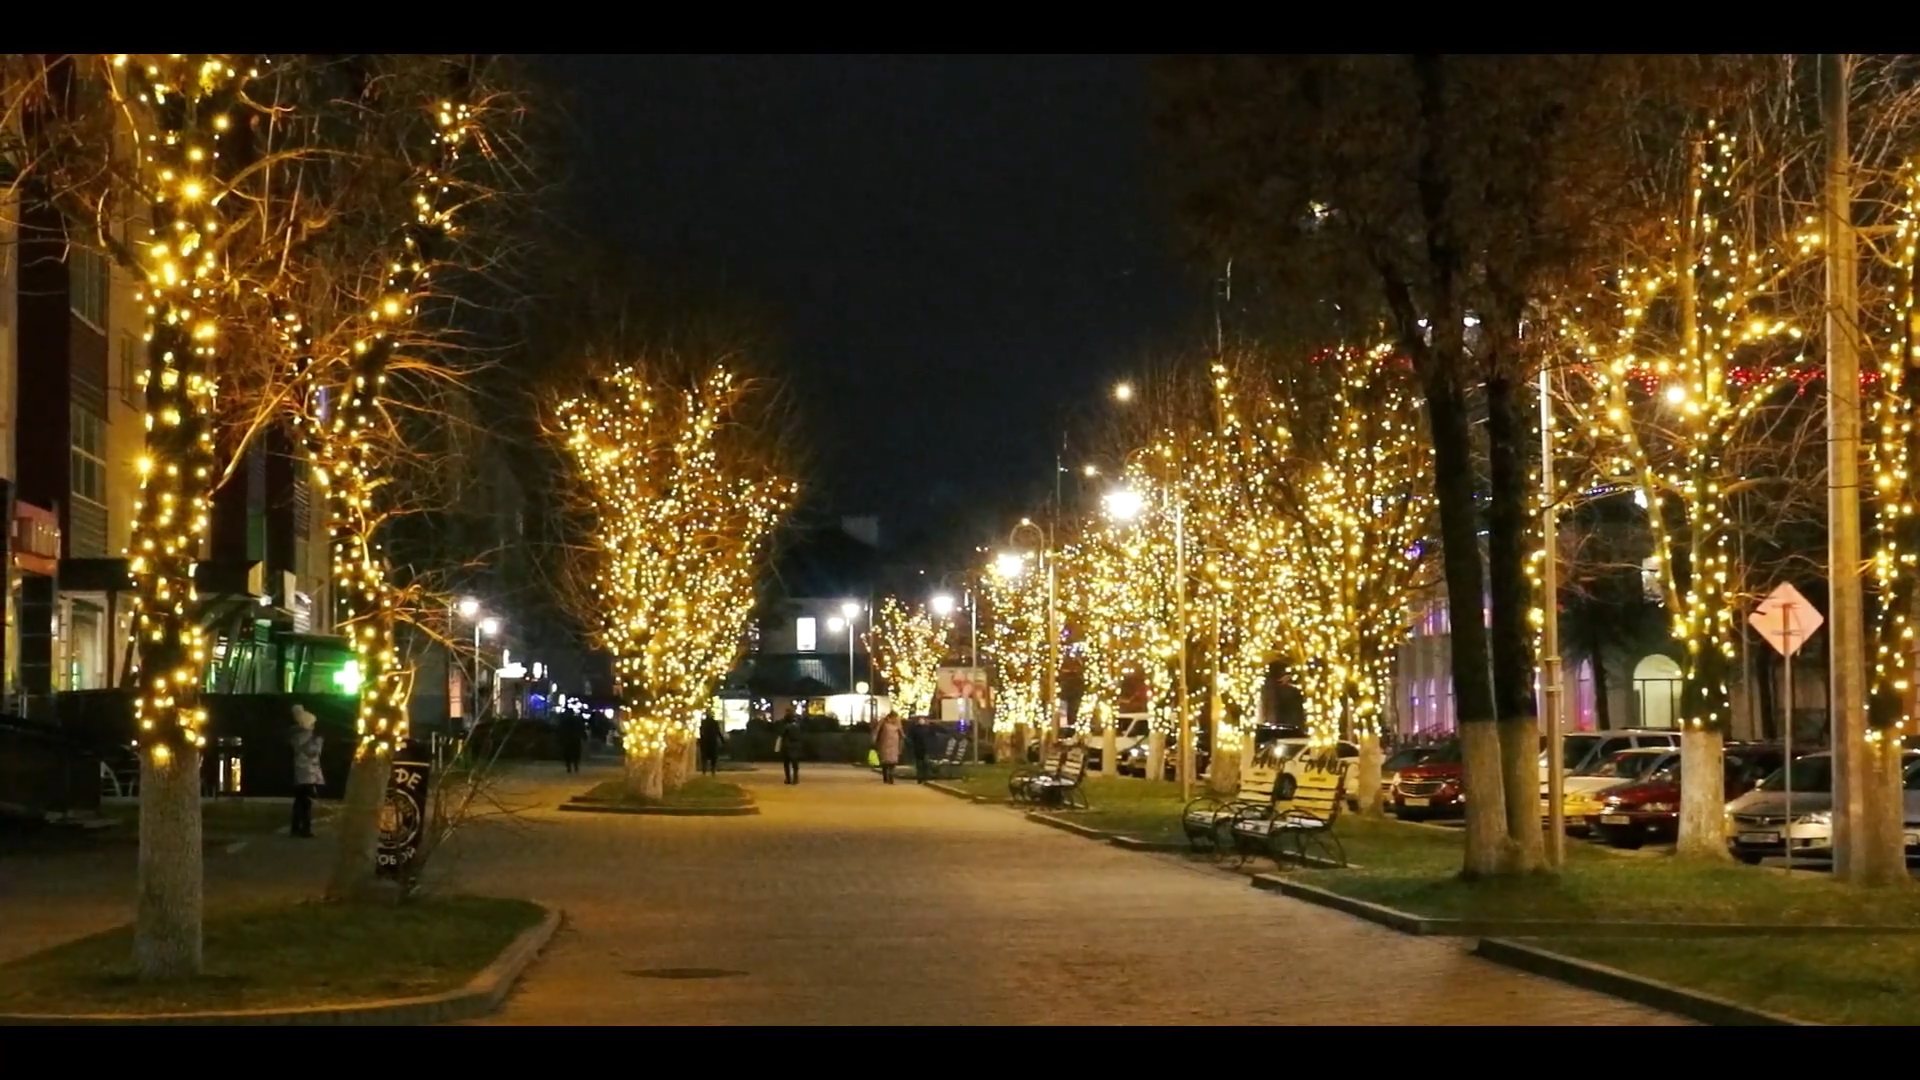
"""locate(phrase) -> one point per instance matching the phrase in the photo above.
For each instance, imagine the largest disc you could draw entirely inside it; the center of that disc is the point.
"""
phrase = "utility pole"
(1180, 620)
(1846, 656)
(1550, 639)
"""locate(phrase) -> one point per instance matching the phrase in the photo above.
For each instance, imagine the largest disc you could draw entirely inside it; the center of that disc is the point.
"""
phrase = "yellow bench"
(1300, 822)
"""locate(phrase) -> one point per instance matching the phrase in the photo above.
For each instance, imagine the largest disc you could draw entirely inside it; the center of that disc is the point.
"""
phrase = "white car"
(1757, 824)
(1585, 751)
(1290, 756)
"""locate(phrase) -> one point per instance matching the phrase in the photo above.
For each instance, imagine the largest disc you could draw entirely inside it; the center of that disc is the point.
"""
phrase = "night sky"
(955, 250)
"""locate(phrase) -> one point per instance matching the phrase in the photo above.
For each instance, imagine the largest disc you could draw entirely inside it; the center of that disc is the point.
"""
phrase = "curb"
(1134, 843)
(1423, 926)
(1129, 843)
(1064, 825)
(579, 807)
(1638, 989)
(947, 789)
(481, 996)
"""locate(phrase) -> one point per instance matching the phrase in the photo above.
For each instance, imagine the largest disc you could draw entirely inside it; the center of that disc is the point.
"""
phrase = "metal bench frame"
(1289, 831)
(1208, 820)
(1020, 783)
(1064, 789)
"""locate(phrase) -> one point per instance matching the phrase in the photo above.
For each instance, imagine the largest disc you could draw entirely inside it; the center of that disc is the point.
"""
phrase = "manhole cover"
(684, 973)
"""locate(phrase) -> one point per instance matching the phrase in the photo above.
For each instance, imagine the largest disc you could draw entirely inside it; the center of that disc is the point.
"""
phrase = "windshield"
(1809, 774)
(1447, 753)
(1573, 750)
(1404, 759)
(1138, 730)
(1629, 766)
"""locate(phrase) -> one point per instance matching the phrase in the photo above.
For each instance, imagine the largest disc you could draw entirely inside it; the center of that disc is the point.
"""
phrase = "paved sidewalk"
(849, 902)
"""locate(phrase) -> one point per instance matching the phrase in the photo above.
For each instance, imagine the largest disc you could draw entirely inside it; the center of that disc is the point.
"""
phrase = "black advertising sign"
(403, 820)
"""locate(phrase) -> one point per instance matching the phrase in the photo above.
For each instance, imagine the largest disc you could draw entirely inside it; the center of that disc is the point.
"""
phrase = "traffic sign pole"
(1786, 635)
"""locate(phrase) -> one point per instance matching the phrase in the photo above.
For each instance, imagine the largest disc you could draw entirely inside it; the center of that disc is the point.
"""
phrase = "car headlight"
(1817, 817)
(1661, 807)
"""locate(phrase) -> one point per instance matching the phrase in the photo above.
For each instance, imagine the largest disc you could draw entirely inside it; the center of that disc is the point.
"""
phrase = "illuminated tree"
(187, 105)
(1320, 490)
(1015, 591)
(1698, 346)
(684, 495)
(907, 645)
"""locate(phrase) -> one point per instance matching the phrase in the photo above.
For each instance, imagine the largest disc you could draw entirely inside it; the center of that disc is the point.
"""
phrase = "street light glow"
(489, 626)
(1124, 505)
(1009, 564)
(851, 609)
(836, 623)
(469, 607)
(1090, 471)
(1123, 392)
(942, 605)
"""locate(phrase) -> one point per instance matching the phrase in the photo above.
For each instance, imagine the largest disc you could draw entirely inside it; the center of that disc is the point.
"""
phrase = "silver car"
(1757, 824)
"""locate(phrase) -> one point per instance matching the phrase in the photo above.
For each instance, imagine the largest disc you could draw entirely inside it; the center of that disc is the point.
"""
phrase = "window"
(87, 286)
(132, 366)
(89, 479)
(805, 635)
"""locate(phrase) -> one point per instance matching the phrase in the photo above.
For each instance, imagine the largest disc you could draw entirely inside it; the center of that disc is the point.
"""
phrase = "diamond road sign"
(1786, 619)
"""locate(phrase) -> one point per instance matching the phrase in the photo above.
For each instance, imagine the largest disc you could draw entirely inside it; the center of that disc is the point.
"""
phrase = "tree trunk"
(644, 775)
(1003, 745)
(1109, 742)
(1880, 854)
(1156, 754)
(1368, 788)
(673, 761)
(1223, 762)
(166, 929)
(1017, 745)
(1703, 795)
(357, 846)
(1487, 842)
(1510, 635)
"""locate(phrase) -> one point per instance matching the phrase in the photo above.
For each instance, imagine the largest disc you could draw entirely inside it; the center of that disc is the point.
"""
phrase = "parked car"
(1404, 758)
(1585, 751)
(1134, 761)
(1430, 788)
(1757, 825)
(1131, 731)
(1583, 793)
(1648, 810)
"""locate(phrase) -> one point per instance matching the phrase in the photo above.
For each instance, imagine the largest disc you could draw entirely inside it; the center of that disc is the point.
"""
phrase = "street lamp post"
(489, 626)
(1550, 639)
(1048, 691)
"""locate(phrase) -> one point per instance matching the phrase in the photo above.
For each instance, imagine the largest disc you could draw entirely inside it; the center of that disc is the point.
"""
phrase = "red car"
(1431, 788)
(1648, 810)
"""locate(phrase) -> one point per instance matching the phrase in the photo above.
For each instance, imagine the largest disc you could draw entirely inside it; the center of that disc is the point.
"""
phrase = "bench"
(952, 764)
(1299, 824)
(1208, 821)
(1019, 784)
(1064, 787)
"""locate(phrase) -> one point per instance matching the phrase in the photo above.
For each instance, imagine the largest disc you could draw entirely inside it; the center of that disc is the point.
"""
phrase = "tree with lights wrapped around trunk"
(1016, 603)
(683, 492)
(907, 645)
(1672, 413)
(347, 446)
(187, 104)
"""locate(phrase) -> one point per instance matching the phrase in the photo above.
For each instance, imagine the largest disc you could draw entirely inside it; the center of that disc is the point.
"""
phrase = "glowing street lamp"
(1124, 505)
(1009, 564)
(1123, 392)
(469, 607)
(942, 604)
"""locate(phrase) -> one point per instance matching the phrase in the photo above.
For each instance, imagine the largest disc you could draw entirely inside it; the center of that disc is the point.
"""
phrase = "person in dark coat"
(573, 739)
(920, 744)
(709, 744)
(787, 743)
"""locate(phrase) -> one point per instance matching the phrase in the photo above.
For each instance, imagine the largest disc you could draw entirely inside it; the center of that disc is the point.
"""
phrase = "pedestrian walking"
(787, 745)
(710, 744)
(920, 742)
(886, 743)
(307, 778)
(573, 739)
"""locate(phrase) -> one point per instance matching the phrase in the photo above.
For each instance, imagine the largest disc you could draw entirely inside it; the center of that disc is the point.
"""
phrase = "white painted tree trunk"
(1156, 755)
(1223, 766)
(1110, 745)
(1520, 783)
(1703, 795)
(644, 775)
(1880, 857)
(1487, 849)
(357, 844)
(1368, 786)
(674, 765)
(167, 941)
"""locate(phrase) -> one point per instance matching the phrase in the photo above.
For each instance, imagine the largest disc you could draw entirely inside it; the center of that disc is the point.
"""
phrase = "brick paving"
(848, 902)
